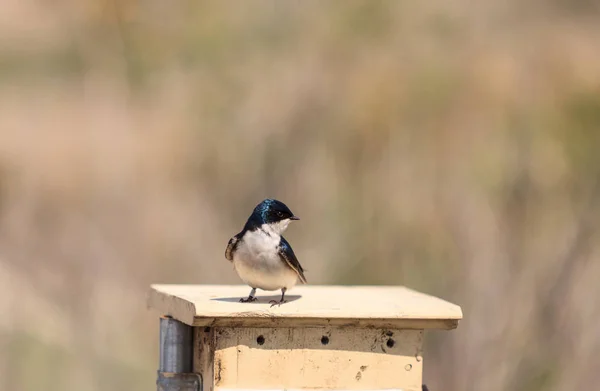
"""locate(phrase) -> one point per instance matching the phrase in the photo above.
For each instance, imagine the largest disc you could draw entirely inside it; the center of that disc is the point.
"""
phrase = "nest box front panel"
(325, 358)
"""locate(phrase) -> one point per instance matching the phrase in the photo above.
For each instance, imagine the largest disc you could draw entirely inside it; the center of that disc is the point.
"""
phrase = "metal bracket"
(175, 367)
(168, 381)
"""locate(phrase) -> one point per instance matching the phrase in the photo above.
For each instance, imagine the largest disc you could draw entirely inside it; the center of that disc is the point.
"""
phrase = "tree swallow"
(262, 257)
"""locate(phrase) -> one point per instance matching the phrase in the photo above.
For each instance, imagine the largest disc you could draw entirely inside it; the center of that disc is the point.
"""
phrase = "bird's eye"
(280, 214)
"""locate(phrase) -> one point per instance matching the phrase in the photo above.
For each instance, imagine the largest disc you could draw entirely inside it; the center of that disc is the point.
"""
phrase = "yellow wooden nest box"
(323, 338)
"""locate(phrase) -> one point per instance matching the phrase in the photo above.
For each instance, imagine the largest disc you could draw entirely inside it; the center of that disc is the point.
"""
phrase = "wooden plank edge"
(170, 305)
(410, 324)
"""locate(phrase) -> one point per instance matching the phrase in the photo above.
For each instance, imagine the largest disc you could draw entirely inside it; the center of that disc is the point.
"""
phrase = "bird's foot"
(277, 302)
(250, 299)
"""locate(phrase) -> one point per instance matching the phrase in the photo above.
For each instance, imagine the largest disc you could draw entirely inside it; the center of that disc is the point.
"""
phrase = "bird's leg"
(250, 298)
(280, 302)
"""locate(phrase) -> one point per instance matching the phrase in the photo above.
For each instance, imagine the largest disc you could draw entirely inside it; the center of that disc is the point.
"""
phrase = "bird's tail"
(302, 278)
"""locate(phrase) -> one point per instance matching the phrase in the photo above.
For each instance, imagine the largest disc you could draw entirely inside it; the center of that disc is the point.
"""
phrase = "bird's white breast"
(257, 261)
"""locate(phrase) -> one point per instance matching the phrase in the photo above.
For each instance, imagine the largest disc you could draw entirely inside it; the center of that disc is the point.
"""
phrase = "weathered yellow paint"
(330, 358)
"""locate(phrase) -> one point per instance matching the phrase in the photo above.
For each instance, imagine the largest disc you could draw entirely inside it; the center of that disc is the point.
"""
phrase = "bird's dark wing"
(232, 245)
(287, 254)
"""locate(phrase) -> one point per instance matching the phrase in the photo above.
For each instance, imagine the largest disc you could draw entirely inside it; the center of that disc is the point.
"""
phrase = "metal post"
(176, 352)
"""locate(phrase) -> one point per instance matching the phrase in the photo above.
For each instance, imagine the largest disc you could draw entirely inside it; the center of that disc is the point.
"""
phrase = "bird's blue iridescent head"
(270, 211)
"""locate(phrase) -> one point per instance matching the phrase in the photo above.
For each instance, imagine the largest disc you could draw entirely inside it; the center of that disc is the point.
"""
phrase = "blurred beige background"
(449, 146)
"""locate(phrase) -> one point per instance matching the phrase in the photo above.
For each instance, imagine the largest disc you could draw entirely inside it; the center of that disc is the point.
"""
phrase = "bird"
(261, 256)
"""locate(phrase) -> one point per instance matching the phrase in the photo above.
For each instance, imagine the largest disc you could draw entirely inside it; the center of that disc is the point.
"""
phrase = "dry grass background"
(449, 146)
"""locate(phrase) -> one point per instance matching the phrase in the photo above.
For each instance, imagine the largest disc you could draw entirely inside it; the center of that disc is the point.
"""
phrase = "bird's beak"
(294, 218)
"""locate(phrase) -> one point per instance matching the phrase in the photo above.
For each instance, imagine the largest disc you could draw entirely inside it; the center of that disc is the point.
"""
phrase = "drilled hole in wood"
(324, 340)
(390, 343)
(260, 340)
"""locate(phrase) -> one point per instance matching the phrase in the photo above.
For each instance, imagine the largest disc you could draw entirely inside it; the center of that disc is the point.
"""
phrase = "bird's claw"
(248, 300)
(278, 303)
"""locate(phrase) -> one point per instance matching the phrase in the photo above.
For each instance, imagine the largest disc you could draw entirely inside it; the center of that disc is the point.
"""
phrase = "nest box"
(323, 338)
